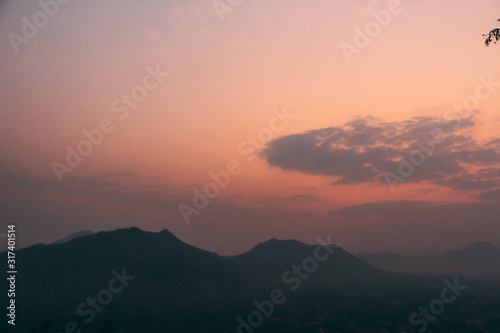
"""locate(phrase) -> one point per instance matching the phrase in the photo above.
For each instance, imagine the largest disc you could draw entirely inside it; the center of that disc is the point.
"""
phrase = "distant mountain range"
(73, 236)
(478, 260)
(187, 289)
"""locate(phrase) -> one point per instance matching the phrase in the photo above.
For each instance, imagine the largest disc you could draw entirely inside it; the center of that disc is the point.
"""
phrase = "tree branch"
(492, 37)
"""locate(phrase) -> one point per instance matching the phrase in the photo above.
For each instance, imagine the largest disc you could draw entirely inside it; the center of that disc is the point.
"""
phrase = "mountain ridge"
(477, 260)
(175, 283)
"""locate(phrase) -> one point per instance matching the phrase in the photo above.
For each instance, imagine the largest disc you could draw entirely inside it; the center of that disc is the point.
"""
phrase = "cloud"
(292, 199)
(490, 195)
(469, 182)
(362, 150)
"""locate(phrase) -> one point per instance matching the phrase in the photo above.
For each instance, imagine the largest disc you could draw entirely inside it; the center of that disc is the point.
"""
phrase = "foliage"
(492, 37)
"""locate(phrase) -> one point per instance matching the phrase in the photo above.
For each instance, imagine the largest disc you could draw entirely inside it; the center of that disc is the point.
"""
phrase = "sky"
(232, 122)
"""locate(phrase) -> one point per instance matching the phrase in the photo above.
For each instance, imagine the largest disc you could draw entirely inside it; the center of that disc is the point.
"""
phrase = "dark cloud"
(363, 150)
(301, 198)
(490, 195)
(404, 225)
(468, 182)
(288, 201)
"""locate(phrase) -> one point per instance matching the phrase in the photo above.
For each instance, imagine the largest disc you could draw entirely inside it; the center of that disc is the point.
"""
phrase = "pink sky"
(226, 80)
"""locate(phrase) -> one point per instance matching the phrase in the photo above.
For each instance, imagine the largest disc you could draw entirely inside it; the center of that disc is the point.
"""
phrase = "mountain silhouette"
(73, 236)
(478, 260)
(176, 285)
(267, 262)
(168, 274)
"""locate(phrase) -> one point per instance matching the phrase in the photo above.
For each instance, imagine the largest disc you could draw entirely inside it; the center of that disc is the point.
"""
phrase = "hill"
(133, 281)
(478, 260)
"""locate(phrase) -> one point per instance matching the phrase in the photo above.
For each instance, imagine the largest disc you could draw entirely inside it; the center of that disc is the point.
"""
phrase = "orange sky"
(225, 79)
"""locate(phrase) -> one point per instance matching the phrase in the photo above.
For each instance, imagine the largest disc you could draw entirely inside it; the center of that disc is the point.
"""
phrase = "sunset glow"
(173, 93)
